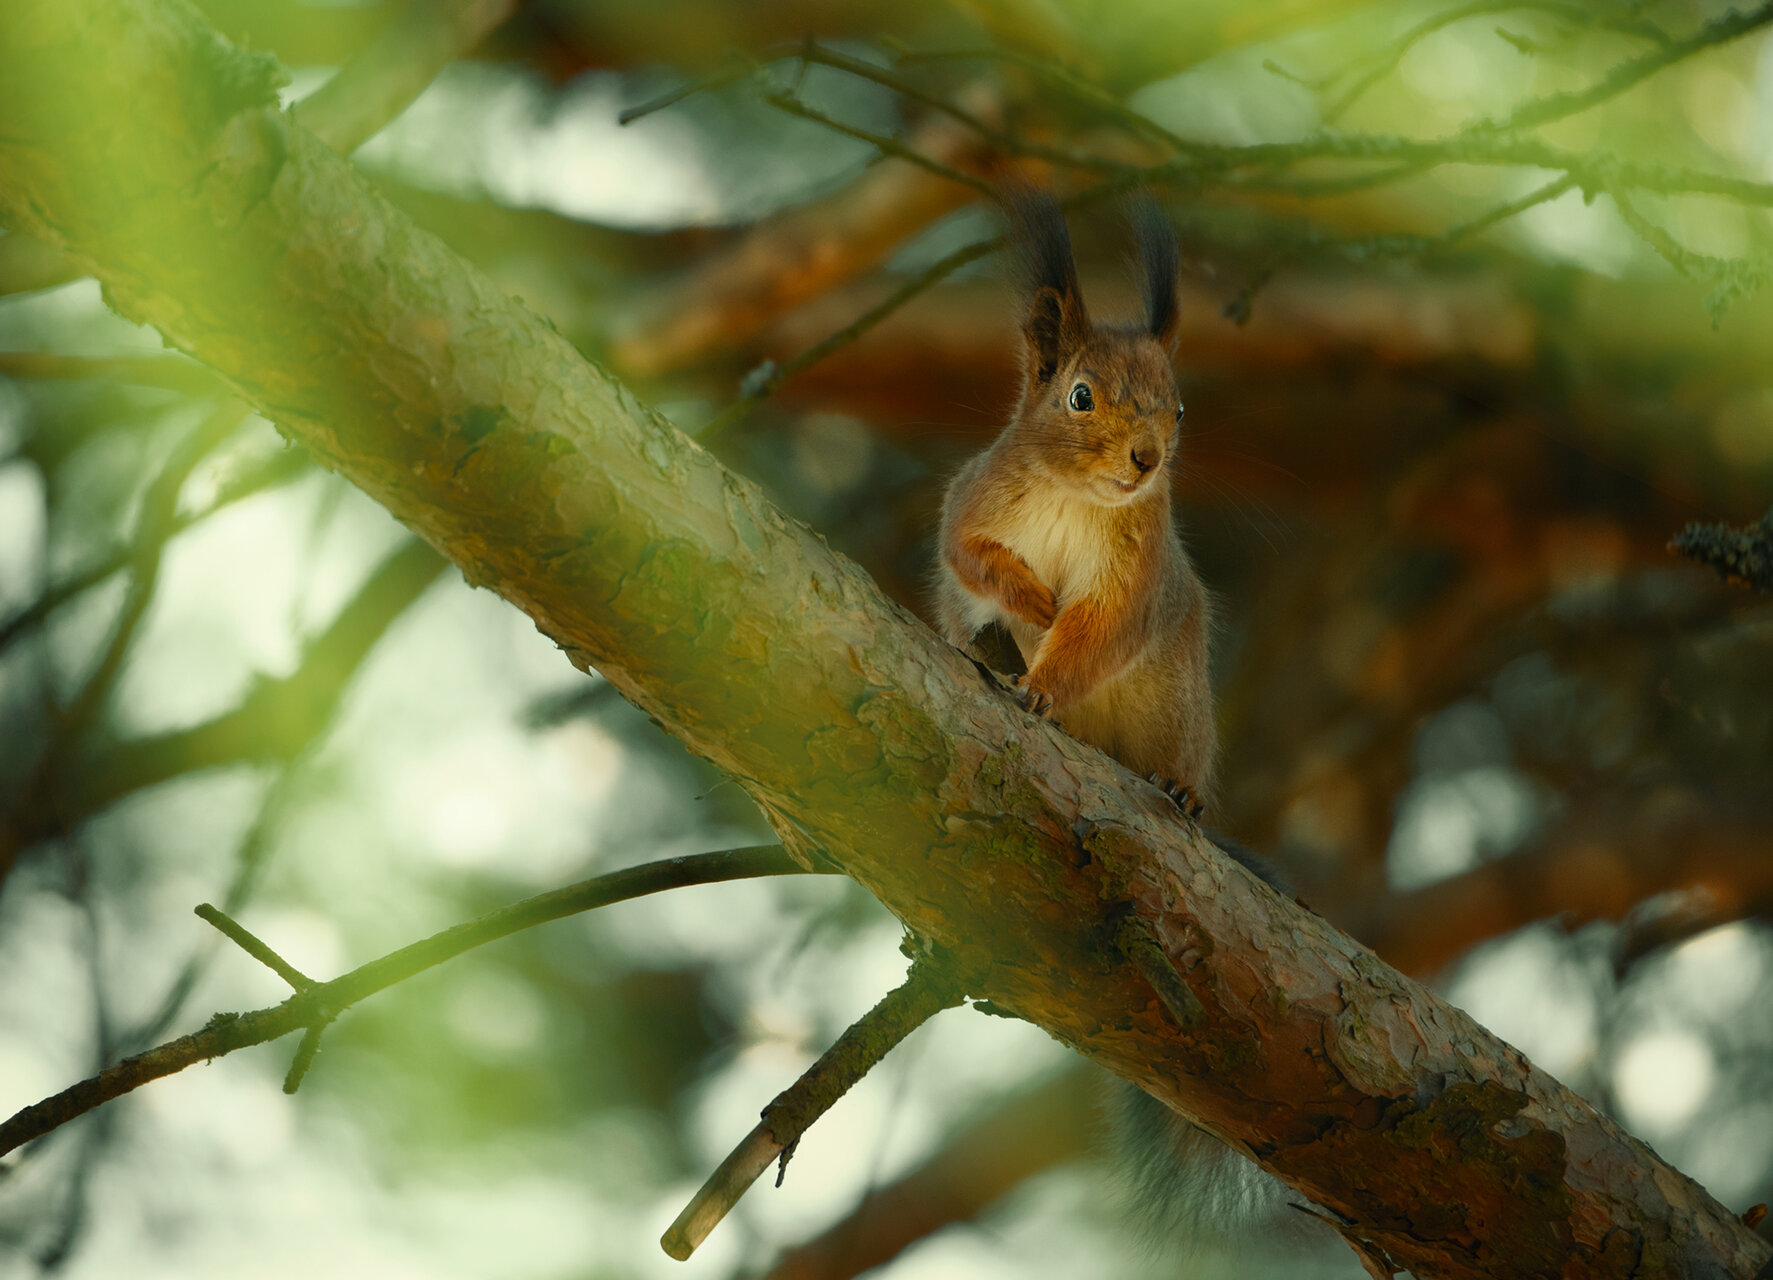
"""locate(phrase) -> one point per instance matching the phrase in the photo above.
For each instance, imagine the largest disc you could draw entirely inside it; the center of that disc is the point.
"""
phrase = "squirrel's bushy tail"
(1187, 1191)
(1184, 1191)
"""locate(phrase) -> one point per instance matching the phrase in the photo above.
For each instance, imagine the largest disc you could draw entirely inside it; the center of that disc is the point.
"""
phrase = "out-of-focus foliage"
(1445, 408)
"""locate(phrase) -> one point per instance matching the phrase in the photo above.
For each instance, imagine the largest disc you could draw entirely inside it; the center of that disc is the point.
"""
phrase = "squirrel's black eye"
(1081, 400)
(1179, 407)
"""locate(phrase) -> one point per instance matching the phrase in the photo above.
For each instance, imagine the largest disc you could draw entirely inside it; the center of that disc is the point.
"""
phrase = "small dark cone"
(1742, 555)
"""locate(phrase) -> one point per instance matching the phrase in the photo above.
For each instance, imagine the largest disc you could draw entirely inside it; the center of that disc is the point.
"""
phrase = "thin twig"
(793, 106)
(1394, 245)
(1387, 60)
(1502, 212)
(733, 70)
(810, 51)
(1592, 170)
(1010, 1143)
(1531, 114)
(1011, 143)
(1410, 244)
(1317, 188)
(227, 1032)
(249, 860)
(1728, 278)
(253, 945)
(1199, 163)
(924, 993)
(1072, 85)
(1672, 251)
(305, 1053)
(1558, 106)
(1488, 144)
(763, 380)
(774, 375)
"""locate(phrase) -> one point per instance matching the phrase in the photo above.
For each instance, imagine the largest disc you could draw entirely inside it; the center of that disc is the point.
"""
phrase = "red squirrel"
(1061, 531)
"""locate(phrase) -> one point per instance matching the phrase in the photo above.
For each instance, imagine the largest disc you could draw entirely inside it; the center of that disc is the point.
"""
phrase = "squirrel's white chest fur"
(1065, 540)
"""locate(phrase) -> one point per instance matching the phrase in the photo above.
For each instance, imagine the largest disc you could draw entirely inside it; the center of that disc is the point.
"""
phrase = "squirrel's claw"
(1033, 700)
(1179, 795)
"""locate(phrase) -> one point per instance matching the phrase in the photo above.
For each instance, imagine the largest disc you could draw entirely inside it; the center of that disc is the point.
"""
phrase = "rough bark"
(1005, 847)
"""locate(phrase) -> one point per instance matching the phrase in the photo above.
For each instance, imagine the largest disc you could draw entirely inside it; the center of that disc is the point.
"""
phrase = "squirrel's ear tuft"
(1158, 266)
(1055, 322)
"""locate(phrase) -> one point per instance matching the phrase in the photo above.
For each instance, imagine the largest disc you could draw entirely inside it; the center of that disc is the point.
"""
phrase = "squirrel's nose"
(1147, 458)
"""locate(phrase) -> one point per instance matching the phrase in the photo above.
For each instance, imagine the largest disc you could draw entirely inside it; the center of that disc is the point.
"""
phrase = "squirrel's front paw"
(1179, 795)
(1032, 699)
(1033, 602)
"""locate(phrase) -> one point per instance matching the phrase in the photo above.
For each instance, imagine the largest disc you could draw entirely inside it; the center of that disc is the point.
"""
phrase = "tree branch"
(280, 717)
(886, 145)
(276, 721)
(925, 992)
(989, 833)
(1388, 58)
(1009, 143)
(1601, 862)
(762, 381)
(797, 255)
(1558, 106)
(322, 1001)
(153, 528)
(279, 469)
(1015, 1140)
(382, 80)
(48, 781)
(1404, 245)
(254, 946)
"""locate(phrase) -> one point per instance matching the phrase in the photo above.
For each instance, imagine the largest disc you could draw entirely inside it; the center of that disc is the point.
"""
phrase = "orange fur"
(1062, 532)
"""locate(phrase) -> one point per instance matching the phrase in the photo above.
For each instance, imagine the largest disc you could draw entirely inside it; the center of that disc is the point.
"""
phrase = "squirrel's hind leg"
(960, 615)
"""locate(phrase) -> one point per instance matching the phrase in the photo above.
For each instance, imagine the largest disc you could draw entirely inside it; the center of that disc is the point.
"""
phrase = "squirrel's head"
(1099, 408)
